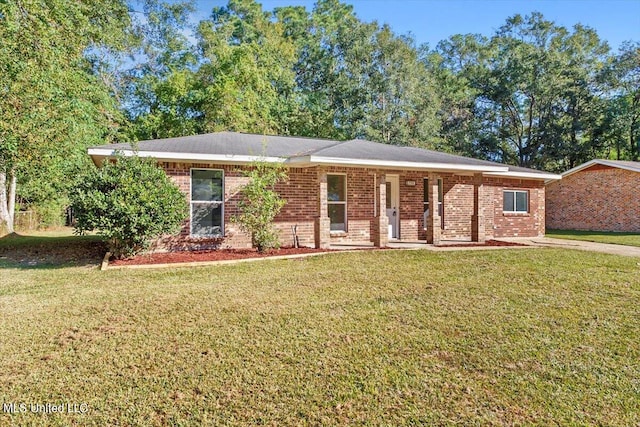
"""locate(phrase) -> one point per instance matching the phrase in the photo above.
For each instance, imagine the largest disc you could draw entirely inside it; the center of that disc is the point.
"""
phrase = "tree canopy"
(75, 74)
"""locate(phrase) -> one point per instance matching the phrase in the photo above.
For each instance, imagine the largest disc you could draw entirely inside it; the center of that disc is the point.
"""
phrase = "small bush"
(260, 204)
(51, 213)
(130, 202)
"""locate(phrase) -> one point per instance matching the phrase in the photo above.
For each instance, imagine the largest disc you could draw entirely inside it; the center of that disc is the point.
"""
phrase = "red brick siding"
(302, 208)
(458, 206)
(531, 224)
(599, 198)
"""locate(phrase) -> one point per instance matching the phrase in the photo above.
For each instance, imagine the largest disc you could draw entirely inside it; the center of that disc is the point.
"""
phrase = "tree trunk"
(634, 146)
(5, 216)
(11, 203)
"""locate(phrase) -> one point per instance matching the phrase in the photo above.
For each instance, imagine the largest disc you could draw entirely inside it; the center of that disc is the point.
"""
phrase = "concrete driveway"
(578, 244)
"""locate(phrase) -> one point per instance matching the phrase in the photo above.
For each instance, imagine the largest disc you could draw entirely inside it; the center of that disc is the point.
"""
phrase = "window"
(207, 203)
(515, 201)
(337, 202)
(425, 201)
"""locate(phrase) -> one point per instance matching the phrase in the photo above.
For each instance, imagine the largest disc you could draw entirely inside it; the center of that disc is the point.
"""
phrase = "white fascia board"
(599, 162)
(196, 157)
(525, 175)
(580, 167)
(389, 164)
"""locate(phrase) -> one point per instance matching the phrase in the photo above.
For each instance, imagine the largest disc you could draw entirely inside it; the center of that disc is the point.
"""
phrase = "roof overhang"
(599, 162)
(525, 175)
(98, 154)
(389, 164)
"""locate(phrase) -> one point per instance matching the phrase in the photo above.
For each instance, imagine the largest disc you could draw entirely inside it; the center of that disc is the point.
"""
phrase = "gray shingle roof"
(298, 149)
(230, 143)
(622, 164)
(368, 150)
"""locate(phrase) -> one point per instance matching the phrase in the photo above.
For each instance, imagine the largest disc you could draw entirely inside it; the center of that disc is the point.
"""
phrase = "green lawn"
(529, 336)
(629, 239)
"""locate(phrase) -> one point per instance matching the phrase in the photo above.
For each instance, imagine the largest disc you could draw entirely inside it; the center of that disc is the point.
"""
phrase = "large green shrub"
(260, 204)
(130, 202)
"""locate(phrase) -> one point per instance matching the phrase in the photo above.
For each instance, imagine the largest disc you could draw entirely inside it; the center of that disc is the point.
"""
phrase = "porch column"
(479, 202)
(433, 219)
(380, 221)
(322, 225)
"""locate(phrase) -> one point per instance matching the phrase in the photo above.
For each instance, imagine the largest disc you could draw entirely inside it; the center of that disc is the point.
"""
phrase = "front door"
(393, 205)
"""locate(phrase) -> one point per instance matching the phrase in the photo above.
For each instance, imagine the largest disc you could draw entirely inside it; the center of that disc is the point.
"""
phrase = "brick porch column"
(380, 221)
(479, 205)
(322, 225)
(433, 220)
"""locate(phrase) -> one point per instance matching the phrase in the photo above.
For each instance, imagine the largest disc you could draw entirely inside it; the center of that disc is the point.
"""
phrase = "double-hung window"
(515, 201)
(337, 202)
(207, 202)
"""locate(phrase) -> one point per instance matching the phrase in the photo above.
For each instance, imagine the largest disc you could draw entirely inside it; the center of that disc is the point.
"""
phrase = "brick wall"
(503, 224)
(599, 198)
(458, 206)
(302, 208)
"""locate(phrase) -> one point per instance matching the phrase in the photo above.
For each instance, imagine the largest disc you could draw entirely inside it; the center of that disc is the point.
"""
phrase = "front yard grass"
(535, 336)
(629, 239)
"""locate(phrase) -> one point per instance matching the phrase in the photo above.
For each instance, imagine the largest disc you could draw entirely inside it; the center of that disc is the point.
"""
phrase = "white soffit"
(390, 164)
(198, 157)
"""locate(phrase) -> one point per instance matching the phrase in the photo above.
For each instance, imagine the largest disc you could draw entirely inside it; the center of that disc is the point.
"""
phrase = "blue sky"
(433, 20)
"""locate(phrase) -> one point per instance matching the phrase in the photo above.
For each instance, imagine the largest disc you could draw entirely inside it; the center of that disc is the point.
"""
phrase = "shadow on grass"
(52, 250)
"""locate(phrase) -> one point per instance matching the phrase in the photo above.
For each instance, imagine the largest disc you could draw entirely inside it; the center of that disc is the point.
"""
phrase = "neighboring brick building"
(600, 195)
(347, 191)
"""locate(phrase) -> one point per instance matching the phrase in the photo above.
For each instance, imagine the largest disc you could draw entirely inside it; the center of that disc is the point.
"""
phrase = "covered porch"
(388, 208)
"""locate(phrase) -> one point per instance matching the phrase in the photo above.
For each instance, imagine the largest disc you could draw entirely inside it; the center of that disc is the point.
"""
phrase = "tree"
(526, 96)
(160, 91)
(129, 201)
(246, 77)
(260, 204)
(401, 103)
(51, 106)
(357, 79)
(623, 101)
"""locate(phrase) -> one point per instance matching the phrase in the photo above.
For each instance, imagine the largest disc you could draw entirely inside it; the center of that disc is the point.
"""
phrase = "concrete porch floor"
(415, 244)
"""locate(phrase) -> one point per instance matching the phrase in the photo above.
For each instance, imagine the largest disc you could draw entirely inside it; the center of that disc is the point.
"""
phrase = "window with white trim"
(515, 201)
(337, 202)
(207, 202)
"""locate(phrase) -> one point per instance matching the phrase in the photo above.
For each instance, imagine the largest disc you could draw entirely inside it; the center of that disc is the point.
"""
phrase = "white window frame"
(329, 202)
(212, 202)
(515, 204)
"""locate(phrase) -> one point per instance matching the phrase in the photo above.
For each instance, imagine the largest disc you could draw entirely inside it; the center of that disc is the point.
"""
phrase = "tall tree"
(246, 78)
(357, 79)
(623, 101)
(527, 96)
(160, 90)
(51, 106)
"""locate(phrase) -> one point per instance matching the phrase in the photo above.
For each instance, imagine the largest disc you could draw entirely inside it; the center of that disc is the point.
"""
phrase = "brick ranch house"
(347, 192)
(600, 195)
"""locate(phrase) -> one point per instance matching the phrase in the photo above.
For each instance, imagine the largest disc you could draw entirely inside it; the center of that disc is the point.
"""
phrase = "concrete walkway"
(530, 242)
(549, 242)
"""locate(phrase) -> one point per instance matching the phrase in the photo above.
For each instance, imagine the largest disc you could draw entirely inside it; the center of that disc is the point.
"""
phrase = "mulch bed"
(235, 254)
(213, 255)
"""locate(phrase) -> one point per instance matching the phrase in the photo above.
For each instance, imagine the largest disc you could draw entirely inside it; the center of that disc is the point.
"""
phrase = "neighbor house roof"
(239, 148)
(620, 164)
